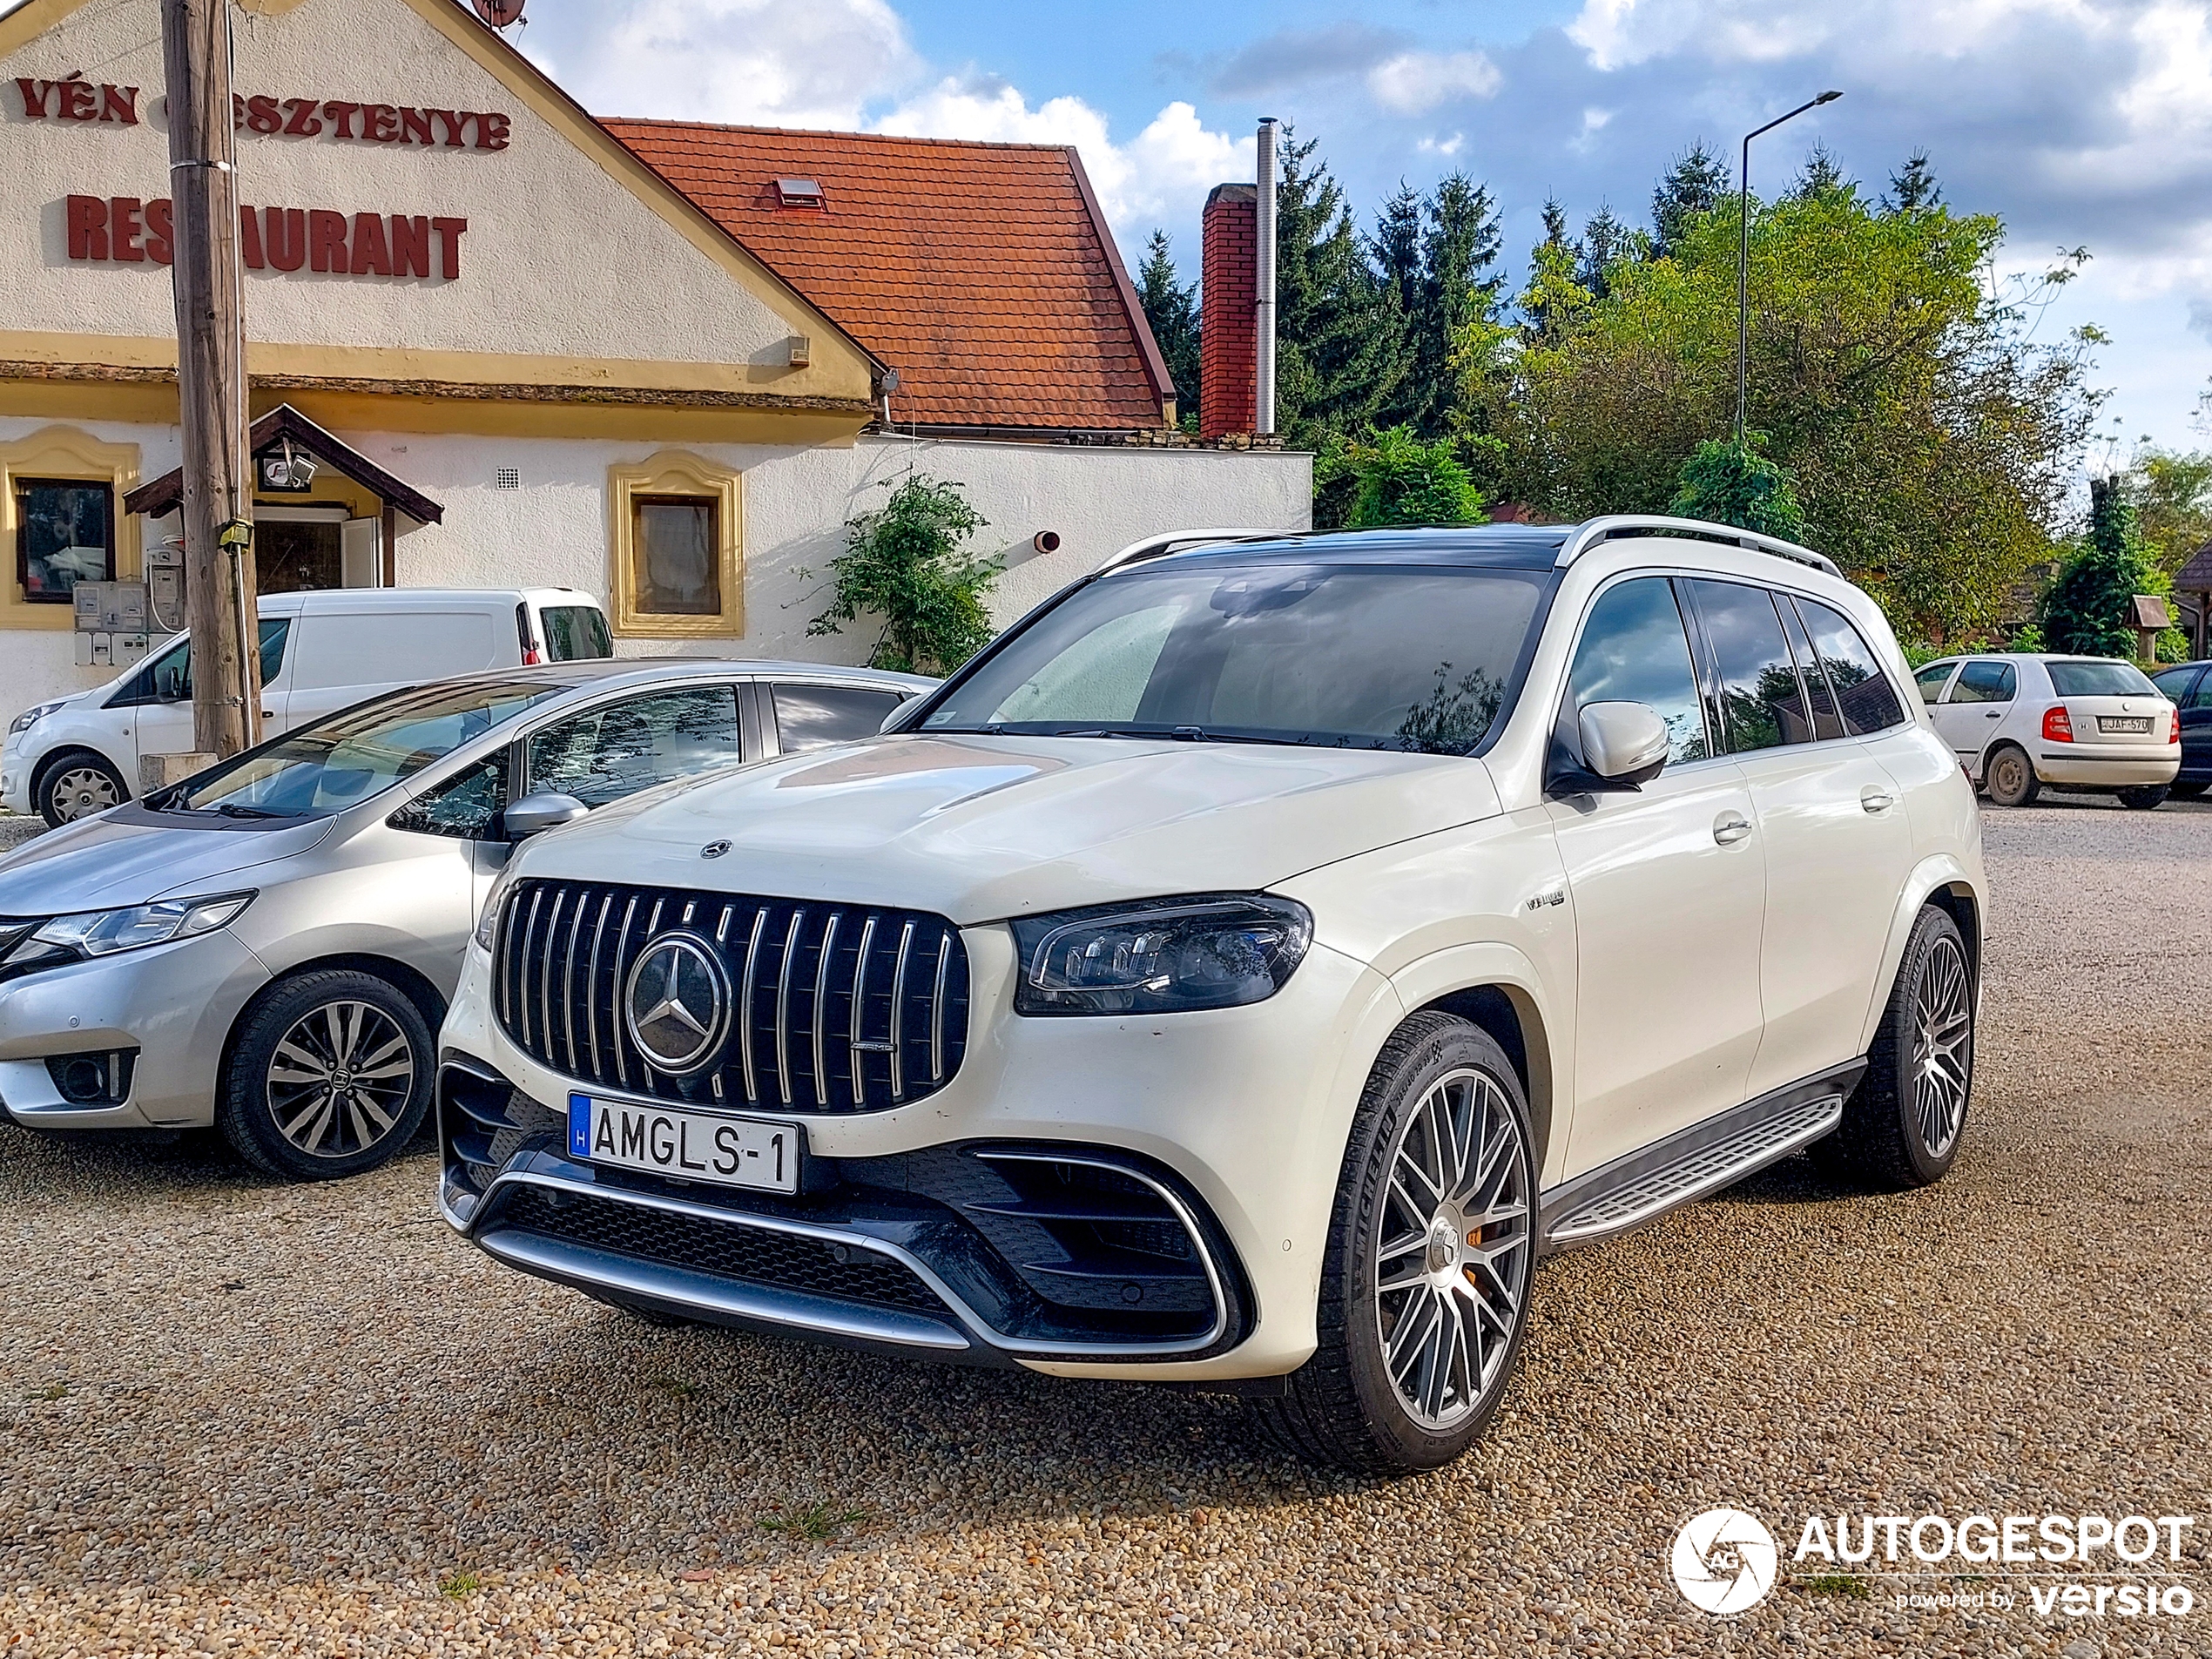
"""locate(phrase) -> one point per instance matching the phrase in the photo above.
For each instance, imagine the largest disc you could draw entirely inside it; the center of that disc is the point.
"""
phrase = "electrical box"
(111, 607)
(111, 650)
(165, 589)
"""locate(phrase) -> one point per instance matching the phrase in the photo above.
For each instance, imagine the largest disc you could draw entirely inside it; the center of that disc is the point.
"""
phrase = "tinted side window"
(1826, 723)
(1931, 679)
(1633, 650)
(2173, 684)
(1862, 692)
(1985, 682)
(167, 678)
(606, 753)
(463, 806)
(576, 633)
(1762, 704)
(809, 716)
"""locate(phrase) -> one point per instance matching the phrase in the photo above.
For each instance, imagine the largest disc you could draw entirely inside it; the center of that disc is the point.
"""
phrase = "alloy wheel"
(1452, 1253)
(81, 791)
(1942, 1056)
(340, 1079)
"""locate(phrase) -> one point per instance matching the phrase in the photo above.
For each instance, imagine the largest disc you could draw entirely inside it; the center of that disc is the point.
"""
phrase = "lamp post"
(1743, 254)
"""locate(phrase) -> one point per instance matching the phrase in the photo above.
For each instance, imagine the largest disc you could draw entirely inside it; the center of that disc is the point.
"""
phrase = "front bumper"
(1223, 1130)
(2101, 765)
(172, 1004)
(15, 782)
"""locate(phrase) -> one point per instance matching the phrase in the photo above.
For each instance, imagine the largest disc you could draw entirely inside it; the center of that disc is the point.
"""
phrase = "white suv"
(1244, 970)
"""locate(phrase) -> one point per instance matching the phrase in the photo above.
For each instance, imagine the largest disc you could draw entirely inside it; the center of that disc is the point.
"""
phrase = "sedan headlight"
(102, 933)
(31, 716)
(488, 923)
(1162, 956)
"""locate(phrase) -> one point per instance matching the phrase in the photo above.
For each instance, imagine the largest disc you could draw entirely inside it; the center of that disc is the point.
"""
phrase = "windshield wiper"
(231, 809)
(1177, 734)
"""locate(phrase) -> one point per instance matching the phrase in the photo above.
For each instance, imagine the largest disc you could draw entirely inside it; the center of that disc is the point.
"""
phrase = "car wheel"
(2145, 800)
(1425, 1284)
(2010, 777)
(1902, 1124)
(2189, 792)
(76, 785)
(330, 1075)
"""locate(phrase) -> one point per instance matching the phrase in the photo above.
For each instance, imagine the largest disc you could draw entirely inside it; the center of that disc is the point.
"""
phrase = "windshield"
(335, 763)
(1411, 659)
(2100, 679)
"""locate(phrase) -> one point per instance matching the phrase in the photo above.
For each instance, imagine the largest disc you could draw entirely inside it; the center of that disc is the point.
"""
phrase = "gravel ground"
(240, 1418)
(15, 830)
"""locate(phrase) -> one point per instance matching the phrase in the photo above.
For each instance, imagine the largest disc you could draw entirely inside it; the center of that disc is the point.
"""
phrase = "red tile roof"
(983, 273)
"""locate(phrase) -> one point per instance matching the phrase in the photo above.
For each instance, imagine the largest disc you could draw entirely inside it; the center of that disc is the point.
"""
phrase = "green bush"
(905, 565)
(1393, 478)
(1725, 483)
(2086, 607)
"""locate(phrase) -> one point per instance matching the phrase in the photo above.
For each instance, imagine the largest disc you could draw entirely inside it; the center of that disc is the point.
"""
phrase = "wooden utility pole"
(220, 590)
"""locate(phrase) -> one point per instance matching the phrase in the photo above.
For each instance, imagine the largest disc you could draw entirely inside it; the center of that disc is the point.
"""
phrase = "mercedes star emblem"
(714, 849)
(676, 1004)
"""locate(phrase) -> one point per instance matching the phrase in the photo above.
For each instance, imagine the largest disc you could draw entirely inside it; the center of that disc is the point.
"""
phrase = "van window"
(376, 648)
(167, 678)
(576, 633)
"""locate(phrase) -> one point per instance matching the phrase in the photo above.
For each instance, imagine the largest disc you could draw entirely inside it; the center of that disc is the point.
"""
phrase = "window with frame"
(1931, 680)
(65, 535)
(464, 807)
(1862, 692)
(605, 754)
(1633, 650)
(676, 555)
(1985, 682)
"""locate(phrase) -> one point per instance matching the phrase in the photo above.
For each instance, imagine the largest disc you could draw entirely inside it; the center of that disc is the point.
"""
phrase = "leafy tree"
(1172, 309)
(1726, 484)
(2171, 492)
(1395, 478)
(1912, 187)
(1930, 440)
(905, 563)
(1340, 357)
(2085, 608)
(1693, 188)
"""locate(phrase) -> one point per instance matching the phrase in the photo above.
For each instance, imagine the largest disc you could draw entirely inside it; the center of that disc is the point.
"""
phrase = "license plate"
(2123, 723)
(691, 1146)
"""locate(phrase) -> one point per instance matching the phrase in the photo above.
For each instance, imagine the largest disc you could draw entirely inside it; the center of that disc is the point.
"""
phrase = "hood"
(980, 828)
(128, 856)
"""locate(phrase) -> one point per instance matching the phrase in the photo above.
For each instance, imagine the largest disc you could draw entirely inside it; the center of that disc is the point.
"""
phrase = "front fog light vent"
(99, 1078)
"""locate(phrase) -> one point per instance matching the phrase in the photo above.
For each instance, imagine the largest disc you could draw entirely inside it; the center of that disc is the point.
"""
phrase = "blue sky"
(2082, 122)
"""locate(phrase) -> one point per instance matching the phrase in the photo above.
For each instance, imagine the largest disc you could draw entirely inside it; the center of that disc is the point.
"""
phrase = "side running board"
(1695, 1163)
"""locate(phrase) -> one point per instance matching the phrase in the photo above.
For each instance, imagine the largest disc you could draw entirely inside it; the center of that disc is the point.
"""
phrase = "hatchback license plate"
(2123, 723)
(690, 1146)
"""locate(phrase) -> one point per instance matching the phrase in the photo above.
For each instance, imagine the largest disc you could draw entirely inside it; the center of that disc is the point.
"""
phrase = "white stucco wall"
(553, 530)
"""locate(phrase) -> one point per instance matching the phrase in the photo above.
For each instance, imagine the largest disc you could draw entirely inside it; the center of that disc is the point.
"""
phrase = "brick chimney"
(1228, 398)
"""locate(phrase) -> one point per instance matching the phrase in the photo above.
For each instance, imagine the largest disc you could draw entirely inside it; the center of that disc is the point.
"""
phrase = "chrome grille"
(834, 1008)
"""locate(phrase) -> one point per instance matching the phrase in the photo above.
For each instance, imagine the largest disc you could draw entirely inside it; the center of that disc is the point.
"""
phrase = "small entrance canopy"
(325, 516)
(2194, 588)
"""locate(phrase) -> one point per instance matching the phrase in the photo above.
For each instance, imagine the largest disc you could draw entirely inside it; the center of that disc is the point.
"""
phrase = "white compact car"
(319, 651)
(2018, 722)
(1243, 971)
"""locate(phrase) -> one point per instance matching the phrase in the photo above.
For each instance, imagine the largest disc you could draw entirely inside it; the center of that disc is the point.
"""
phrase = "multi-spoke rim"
(340, 1079)
(80, 791)
(1452, 1249)
(1943, 1059)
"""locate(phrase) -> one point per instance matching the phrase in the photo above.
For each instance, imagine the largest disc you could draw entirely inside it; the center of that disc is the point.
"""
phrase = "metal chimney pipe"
(1264, 284)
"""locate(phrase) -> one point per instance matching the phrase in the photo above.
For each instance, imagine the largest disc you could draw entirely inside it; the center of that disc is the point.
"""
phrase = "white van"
(320, 652)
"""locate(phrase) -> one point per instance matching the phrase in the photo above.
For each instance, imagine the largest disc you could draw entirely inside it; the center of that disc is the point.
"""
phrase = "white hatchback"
(1245, 969)
(2019, 722)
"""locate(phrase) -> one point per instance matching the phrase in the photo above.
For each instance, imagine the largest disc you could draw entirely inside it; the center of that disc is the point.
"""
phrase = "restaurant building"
(661, 362)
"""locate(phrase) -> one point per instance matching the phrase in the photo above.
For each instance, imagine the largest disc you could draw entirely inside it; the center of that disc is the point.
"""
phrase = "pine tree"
(1820, 176)
(1912, 187)
(1172, 309)
(2085, 608)
(1396, 246)
(1557, 254)
(1605, 239)
(1337, 360)
(1460, 242)
(1693, 186)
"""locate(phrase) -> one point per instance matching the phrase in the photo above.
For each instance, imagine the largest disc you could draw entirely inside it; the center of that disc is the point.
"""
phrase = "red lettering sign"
(74, 99)
(159, 230)
(124, 229)
(87, 227)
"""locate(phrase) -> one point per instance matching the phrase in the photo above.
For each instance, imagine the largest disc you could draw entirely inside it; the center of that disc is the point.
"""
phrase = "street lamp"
(1744, 253)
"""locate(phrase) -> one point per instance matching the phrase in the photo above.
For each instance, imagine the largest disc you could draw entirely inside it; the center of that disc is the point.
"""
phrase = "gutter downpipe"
(1264, 286)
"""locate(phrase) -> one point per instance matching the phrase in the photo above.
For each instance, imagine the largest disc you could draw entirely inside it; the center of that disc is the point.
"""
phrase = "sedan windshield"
(2100, 678)
(335, 763)
(1368, 659)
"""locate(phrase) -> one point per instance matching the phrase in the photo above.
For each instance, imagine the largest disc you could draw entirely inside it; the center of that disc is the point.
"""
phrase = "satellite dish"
(499, 13)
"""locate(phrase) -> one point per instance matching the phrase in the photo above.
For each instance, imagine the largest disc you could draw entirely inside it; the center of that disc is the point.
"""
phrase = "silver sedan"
(269, 947)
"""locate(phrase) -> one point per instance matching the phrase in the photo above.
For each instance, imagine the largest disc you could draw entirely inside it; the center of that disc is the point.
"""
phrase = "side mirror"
(1624, 742)
(535, 814)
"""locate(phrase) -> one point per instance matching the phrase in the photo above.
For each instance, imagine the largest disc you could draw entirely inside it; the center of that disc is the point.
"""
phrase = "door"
(1969, 718)
(1831, 817)
(1667, 890)
(344, 654)
(2189, 689)
(454, 851)
(615, 749)
(158, 702)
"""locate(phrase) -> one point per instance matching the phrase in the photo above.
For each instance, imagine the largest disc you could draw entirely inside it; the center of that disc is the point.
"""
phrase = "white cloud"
(1450, 146)
(757, 61)
(1163, 172)
(1411, 82)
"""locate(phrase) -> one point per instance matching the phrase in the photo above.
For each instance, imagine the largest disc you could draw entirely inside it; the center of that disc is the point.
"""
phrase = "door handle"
(1730, 827)
(1876, 800)
(1992, 714)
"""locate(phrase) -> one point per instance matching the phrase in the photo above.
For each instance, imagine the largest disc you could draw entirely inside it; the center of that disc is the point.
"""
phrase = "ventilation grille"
(507, 478)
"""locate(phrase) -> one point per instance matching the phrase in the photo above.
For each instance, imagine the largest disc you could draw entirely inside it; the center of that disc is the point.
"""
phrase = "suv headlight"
(1161, 956)
(488, 923)
(102, 933)
(31, 716)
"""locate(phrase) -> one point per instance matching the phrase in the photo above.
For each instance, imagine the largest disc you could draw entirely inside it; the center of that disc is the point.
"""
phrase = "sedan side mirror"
(535, 814)
(1624, 742)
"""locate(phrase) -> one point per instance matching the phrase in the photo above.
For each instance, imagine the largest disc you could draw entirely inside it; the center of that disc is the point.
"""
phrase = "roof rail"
(1588, 536)
(1153, 546)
